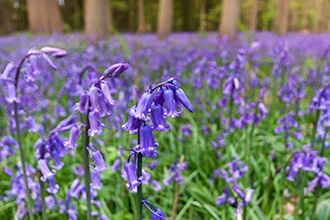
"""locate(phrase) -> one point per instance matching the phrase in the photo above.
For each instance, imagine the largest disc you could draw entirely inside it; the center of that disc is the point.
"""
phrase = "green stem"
(86, 168)
(43, 203)
(139, 189)
(22, 158)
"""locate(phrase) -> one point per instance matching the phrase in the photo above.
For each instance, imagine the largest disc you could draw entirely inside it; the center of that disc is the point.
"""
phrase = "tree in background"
(229, 17)
(98, 19)
(141, 17)
(202, 16)
(44, 16)
(165, 17)
(253, 15)
(282, 16)
(5, 17)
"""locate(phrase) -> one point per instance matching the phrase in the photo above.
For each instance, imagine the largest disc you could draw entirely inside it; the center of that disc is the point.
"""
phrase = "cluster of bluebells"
(164, 100)
(159, 102)
(290, 128)
(231, 174)
(308, 160)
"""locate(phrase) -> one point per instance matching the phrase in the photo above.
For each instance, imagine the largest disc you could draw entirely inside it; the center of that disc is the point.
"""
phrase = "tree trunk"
(283, 13)
(44, 16)
(165, 17)
(304, 15)
(294, 15)
(253, 15)
(5, 17)
(141, 17)
(229, 17)
(97, 17)
(202, 16)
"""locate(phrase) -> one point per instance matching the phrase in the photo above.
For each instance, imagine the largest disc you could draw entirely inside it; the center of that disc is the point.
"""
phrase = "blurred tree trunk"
(304, 14)
(202, 16)
(294, 15)
(5, 17)
(321, 14)
(253, 15)
(282, 16)
(97, 19)
(229, 17)
(44, 16)
(187, 15)
(165, 17)
(141, 17)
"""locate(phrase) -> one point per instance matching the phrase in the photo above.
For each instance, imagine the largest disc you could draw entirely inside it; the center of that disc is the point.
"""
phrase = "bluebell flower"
(133, 180)
(46, 173)
(157, 118)
(96, 125)
(183, 99)
(53, 187)
(81, 106)
(96, 179)
(143, 106)
(147, 145)
(106, 92)
(157, 214)
(71, 143)
(11, 94)
(115, 70)
(170, 103)
(98, 160)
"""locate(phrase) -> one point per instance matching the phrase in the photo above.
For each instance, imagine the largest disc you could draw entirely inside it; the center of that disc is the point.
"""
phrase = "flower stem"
(86, 168)
(43, 203)
(20, 147)
(139, 188)
(22, 157)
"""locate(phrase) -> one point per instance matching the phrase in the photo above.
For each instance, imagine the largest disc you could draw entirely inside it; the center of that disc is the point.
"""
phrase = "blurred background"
(100, 18)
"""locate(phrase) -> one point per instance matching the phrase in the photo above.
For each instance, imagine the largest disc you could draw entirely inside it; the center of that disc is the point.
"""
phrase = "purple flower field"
(193, 127)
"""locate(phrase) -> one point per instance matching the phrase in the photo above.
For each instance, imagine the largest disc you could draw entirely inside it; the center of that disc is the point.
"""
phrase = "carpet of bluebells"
(226, 130)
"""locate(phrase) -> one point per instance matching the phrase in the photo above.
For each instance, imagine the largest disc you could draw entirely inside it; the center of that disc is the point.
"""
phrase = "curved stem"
(29, 200)
(86, 167)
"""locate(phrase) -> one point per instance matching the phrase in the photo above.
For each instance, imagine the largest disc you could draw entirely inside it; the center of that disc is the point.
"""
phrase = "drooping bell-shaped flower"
(132, 178)
(96, 125)
(81, 106)
(106, 92)
(143, 106)
(157, 118)
(71, 143)
(43, 167)
(11, 94)
(98, 160)
(115, 70)
(183, 99)
(157, 214)
(96, 179)
(133, 123)
(147, 142)
(170, 103)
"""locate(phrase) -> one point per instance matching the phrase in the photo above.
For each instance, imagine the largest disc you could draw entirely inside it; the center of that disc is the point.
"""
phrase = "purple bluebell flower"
(183, 99)
(157, 214)
(133, 180)
(96, 179)
(143, 106)
(55, 52)
(53, 187)
(11, 94)
(32, 126)
(71, 143)
(170, 103)
(133, 123)
(98, 159)
(147, 145)
(115, 70)
(157, 118)
(9, 69)
(81, 106)
(106, 92)
(175, 171)
(46, 173)
(96, 125)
